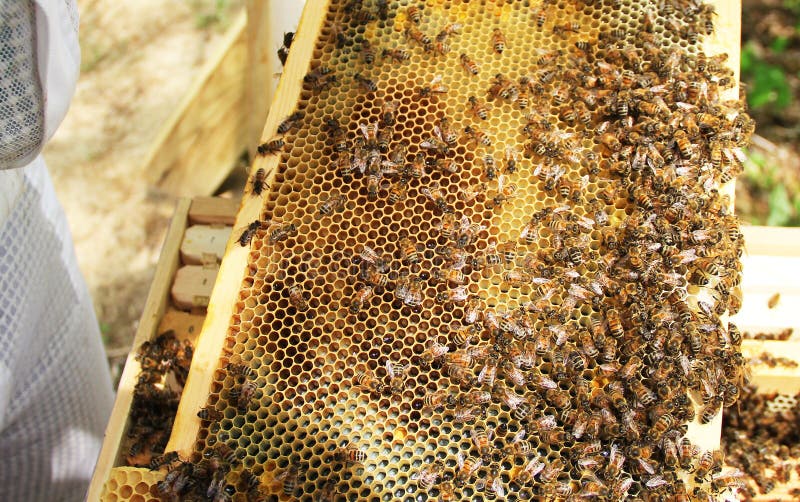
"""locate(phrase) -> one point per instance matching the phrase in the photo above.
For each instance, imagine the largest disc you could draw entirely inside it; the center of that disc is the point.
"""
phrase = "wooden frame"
(156, 316)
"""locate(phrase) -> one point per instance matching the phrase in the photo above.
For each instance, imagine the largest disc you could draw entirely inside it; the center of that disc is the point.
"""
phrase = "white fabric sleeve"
(58, 57)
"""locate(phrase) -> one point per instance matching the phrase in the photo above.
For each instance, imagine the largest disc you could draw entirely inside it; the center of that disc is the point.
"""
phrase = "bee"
(388, 111)
(368, 382)
(296, 298)
(360, 298)
(477, 136)
(480, 110)
(683, 144)
(437, 400)
(398, 192)
(469, 65)
(396, 374)
(247, 235)
(435, 87)
(437, 196)
(498, 41)
(482, 441)
(507, 396)
(414, 14)
(349, 454)
(558, 398)
(440, 45)
(710, 410)
(365, 83)
(283, 51)
(244, 394)
(336, 135)
(704, 465)
(492, 483)
(540, 14)
(562, 29)
(270, 147)
(290, 478)
(464, 414)
(467, 467)
(664, 423)
(522, 96)
(334, 202)
(429, 475)
(368, 52)
(435, 145)
(319, 79)
(434, 352)
(282, 233)
(614, 323)
(445, 132)
(504, 87)
(415, 34)
(397, 55)
(210, 414)
(551, 471)
(489, 167)
(642, 393)
(167, 459)
(290, 122)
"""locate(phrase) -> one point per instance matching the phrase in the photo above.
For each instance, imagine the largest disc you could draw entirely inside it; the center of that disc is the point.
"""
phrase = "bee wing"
(519, 436)
(497, 487)
(438, 132)
(390, 369)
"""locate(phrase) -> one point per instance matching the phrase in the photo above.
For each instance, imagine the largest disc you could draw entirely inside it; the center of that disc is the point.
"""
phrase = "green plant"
(205, 17)
(766, 83)
(783, 203)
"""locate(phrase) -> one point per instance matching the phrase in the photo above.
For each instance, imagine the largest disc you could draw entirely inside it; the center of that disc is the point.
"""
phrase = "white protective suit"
(55, 390)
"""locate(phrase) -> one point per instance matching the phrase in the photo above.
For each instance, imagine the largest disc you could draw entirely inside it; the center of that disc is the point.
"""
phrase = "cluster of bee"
(782, 335)
(770, 360)
(618, 331)
(764, 444)
(155, 399)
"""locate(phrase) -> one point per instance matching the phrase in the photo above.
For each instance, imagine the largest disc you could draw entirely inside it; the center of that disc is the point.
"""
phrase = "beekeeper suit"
(55, 390)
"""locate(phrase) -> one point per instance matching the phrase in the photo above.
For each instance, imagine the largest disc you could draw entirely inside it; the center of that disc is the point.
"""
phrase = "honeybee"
(290, 122)
(282, 233)
(415, 34)
(438, 197)
(360, 298)
(368, 52)
(704, 465)
(435, 145)
(334, 202)
(467, 467)
(435, 351)
(489, 167)
(368, 382)
(396, 374)
(319, 79)
(492, 484)
(296, 298)
(388, 111)
(349, 454)
(469, 65)
(398, 192)
(551, 471)
(414, 14)
(397, 55)
(480, 110)
(526, 474)
(270, 147)
(540, 14)
(711, 409)
(504, 88)
(283, 50)
(247, 235)
(210, 414)
(336, 135)
(477, 136)
(440, 45)
(244, 394)
(167, 459)
(365, 83)
(482, 441)
(290, 478)
(437, 400)
(498, 41)
(563, 29)
(507, 396)
(464, 414)
(435, 87)
(429, 475)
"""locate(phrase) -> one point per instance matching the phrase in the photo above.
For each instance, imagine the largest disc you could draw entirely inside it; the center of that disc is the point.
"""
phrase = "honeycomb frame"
(183, 439)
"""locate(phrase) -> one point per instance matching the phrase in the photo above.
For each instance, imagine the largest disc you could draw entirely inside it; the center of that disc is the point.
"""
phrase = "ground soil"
(138, 61)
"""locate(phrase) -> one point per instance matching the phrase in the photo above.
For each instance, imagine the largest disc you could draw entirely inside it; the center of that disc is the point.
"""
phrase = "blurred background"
(141, 58)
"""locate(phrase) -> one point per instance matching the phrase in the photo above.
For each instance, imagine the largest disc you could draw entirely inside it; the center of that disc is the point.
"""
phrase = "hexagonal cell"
(544, 293)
